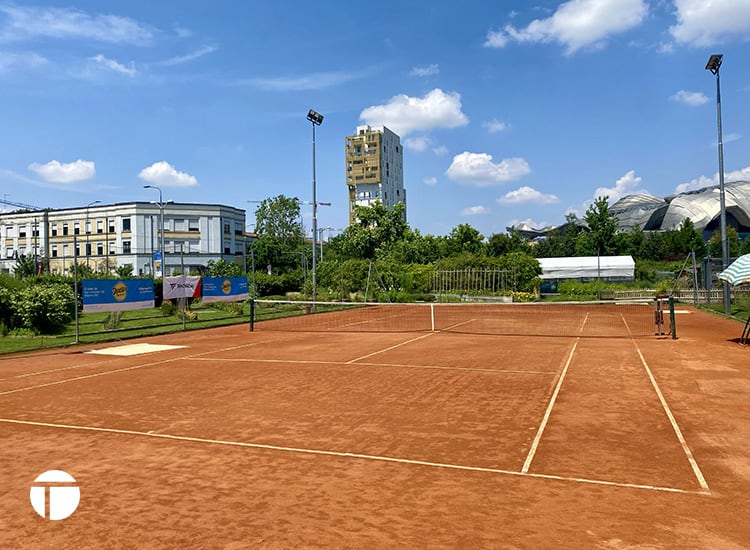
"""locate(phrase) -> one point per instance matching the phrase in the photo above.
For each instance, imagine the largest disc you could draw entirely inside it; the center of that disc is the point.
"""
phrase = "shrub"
(44, 309)
(167, 307)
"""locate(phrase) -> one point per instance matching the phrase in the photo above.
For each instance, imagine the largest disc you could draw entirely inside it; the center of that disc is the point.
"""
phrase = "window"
(88, 249)
(193, 225)
(112, 247)
(65, 228)
(126, 224)
(99, 226)
(226, 228)
(66, 250)
(22, 232)
(125, 246)
(76, 228)
(99, 249)
(78, 250)
(54, 251)
(111, 226)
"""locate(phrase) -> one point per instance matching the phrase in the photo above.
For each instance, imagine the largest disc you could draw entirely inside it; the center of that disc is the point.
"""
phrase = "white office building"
(105, 237)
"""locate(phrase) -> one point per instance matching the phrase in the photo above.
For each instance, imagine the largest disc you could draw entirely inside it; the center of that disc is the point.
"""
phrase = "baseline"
(340, 454)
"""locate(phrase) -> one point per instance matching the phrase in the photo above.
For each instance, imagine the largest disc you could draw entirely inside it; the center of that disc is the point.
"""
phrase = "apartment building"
(374, 168)
(105, 237)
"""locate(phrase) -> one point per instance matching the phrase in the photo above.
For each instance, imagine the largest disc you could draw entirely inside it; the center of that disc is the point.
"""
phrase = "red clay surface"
(282, 439)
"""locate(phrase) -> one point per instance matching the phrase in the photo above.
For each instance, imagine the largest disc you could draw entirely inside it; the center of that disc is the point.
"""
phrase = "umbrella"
(738, 272)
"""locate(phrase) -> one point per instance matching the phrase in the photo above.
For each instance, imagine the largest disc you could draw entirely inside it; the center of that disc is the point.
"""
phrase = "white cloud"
(430, 181)
(404, 114)
(692, 99)
(163, 173)
(429, 70)
(478, 169)
(417, 143)
(58, 172)
(27, 23)
(188, 57)
(626, 185)
(527, 194)
(704, 181)
(475, 211)
(440, 150)
(305, 82)
(703, 23)
(494, 126)
(576, 24)
(115, 66)
(10, 61)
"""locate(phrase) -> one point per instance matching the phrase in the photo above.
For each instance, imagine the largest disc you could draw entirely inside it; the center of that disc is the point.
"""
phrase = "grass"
(132, 324)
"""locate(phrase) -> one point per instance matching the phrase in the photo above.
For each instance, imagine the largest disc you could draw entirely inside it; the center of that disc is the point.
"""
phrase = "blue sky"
(509, 111)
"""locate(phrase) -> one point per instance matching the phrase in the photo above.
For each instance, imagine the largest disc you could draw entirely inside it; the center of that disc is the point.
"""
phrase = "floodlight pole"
(161, 204)
(316, 119)
(88, 245)
(714, 63)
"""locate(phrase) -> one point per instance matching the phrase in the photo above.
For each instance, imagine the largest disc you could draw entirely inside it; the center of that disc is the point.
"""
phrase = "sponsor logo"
(55, 495)
(119, 291)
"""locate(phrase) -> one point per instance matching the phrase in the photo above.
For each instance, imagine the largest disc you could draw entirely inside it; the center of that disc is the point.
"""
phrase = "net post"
(671, 317)
(432, 317)
(252, 314)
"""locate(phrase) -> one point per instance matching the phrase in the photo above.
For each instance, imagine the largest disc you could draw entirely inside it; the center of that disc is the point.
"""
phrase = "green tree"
(714, 243)
(464, 238)
(603, 227)
(280, 235)
(26, 266)
(500, 244)
(375, 231)
(222, 268)
(124, 271)
(523, 270)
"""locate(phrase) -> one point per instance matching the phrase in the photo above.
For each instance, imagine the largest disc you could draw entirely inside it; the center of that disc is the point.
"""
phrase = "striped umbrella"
(738, 272)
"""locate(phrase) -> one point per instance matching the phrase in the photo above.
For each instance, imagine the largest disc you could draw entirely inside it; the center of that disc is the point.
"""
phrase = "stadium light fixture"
(713, 65)
(316, 119)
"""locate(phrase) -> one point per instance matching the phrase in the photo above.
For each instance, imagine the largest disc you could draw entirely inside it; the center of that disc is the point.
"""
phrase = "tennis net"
(584, 319)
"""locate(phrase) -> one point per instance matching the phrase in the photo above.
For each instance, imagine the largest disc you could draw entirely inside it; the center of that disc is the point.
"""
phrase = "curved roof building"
(651, 213)
(702, 207)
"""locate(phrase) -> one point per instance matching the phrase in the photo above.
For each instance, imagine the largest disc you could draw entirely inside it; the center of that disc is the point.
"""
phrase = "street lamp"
(714, 62)
(161, 204)
(88, 245)
(316, 119)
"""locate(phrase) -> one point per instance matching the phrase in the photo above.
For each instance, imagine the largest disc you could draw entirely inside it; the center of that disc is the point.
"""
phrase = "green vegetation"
(377, 258)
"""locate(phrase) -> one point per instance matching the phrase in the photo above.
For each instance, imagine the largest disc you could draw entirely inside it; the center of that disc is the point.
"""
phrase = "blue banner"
(114, 295)
(225, 289)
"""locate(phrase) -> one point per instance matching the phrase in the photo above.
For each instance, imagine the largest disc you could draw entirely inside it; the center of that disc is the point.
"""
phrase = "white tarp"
(588, 267)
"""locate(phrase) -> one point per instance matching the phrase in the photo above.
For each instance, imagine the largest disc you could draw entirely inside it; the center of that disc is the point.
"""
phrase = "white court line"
(357, 456)
(125, 369)
(391, 347)
(548, 412)
(688, 453)
(347, 363)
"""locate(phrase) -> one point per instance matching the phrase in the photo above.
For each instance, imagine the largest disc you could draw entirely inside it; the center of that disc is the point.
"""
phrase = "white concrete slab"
(133, 349)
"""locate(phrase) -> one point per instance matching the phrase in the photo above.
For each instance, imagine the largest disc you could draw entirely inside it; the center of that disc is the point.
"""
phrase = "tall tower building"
(374, 168)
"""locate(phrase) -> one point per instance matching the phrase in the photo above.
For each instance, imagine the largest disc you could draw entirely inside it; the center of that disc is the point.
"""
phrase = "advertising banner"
(113, 295)
(225, 289)
(182, 286)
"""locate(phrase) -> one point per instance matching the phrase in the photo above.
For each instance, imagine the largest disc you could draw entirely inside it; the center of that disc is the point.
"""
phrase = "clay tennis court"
(578, 438)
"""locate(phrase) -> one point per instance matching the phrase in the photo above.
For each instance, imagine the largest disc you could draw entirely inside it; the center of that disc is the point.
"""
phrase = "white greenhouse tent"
(585, 268)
